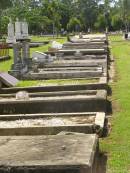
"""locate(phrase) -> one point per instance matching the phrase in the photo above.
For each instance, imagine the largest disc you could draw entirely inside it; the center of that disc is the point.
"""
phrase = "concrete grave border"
(96, 127)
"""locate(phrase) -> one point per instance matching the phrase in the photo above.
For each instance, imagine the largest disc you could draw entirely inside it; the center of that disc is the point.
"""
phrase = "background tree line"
(45, 16)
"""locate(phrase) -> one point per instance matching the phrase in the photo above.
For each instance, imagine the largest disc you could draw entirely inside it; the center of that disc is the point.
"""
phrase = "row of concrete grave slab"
(56, 129)
(72, 63)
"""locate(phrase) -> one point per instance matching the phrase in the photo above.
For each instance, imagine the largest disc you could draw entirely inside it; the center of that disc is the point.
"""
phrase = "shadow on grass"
(102, 163)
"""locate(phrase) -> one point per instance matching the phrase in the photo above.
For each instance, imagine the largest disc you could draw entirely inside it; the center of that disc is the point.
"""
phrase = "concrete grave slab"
(86, 51)
(83, 43)
(56, 154)
(82, 57)
(94, 101)
(75, 64)
(84, 46)
(49, 94)
(91, 37)
(64, 74)
(87, 63)
(95, 36)
(80, 63)
(101, 83)
(94, 68)
(51, 124)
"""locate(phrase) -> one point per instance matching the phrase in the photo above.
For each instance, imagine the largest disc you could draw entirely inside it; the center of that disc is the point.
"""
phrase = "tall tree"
(125, 12)
(3, 4)
(88, 12)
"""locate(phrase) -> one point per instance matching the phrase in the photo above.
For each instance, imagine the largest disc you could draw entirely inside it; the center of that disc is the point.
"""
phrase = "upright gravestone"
(21, 59)
(18, 29)
(11, 35)
(24, 29)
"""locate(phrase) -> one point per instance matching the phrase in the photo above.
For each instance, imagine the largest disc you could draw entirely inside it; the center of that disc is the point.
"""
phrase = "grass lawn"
(56, 82)
(117, 145)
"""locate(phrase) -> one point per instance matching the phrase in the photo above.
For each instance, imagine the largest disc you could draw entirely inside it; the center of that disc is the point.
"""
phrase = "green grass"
(55, 82)
(117, 145)
(38, 38)
(45, 47)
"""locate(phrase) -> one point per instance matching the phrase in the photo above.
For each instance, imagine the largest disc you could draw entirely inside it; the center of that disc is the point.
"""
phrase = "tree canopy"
(45, 16)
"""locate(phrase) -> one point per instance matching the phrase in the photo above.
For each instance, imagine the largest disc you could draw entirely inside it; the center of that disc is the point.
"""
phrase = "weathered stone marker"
(21, 58)
(7, 80)
(21, 49)
(21, 29)
(18, 33)
(64, 74)
(25, 29)
(11, 33)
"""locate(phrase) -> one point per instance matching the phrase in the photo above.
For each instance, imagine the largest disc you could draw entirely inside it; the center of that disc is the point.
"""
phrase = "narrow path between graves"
(117, 145)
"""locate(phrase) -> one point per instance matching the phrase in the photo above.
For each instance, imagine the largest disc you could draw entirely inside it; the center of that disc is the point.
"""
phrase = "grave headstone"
(7, 79)
(18, 29)
(21, 49)
(11, 34)
(17, 53)
(21, 59)
(24, 29)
